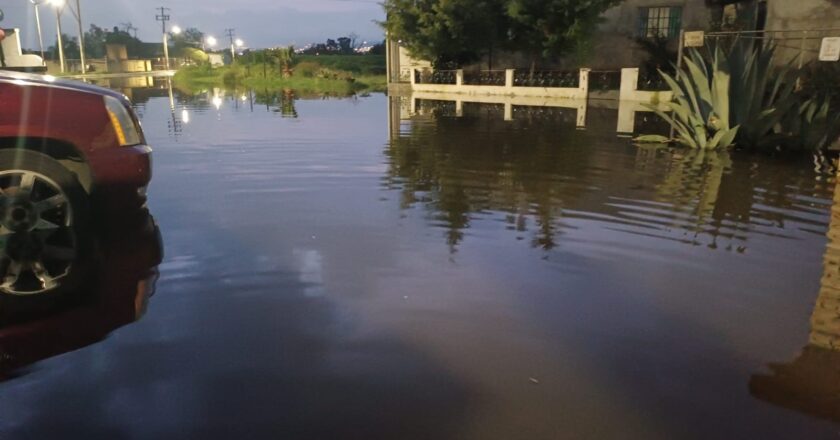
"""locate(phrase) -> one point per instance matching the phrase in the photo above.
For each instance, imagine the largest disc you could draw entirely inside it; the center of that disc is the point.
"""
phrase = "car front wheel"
(43, 216)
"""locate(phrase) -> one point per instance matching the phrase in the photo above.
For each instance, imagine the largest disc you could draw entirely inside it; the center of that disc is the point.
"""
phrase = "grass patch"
(364, 65)
(311, 77)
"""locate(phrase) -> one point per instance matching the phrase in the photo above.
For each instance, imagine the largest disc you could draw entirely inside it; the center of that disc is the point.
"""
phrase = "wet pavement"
(358, 268)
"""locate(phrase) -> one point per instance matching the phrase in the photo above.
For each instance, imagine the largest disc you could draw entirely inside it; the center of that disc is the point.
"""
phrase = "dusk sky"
(260, 23)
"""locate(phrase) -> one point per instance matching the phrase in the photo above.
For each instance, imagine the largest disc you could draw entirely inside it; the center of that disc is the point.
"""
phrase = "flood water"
(366, 268)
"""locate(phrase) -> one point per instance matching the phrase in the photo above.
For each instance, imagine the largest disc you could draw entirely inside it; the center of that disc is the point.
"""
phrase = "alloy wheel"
(37, 240)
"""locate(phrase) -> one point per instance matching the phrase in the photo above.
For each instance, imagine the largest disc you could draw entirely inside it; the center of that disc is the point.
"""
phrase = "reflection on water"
(811, 382)
(110, 281)
(378, 267)
(470, 167)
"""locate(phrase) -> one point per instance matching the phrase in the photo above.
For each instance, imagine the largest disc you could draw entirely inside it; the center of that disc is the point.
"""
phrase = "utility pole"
(38, 24)
(163, 17)
(59, 42)
(81, 36)
(231, 33)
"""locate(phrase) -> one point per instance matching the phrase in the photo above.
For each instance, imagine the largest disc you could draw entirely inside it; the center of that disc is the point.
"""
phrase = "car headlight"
(127, 132)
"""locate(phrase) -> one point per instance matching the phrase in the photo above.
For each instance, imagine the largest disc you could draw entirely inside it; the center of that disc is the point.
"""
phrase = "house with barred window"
(633, 29)
(797, 25)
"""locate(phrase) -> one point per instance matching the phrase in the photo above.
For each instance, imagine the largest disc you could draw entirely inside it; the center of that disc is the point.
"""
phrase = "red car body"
(68, 120)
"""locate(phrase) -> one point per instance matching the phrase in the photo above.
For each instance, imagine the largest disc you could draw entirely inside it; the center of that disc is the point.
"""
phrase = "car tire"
(44, 232)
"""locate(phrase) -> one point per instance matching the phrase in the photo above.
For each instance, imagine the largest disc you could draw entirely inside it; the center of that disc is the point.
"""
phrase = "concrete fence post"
(459, 77)
(583, 85)
(413, 76)
(509, 78)
(508, 111)
(629, 83)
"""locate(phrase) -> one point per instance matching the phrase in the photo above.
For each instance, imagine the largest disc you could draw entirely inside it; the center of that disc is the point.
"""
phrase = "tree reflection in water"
(542, 177)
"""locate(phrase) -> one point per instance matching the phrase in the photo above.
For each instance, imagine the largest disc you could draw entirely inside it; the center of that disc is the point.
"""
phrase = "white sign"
(830, 50)
(695, 39)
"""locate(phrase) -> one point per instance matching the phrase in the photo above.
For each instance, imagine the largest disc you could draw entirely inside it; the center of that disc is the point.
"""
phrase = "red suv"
(66, 147)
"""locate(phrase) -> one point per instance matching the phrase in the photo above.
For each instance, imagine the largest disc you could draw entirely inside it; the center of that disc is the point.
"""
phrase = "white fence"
(629, 90)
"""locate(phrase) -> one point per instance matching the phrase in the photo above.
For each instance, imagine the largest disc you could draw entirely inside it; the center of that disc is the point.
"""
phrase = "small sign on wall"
(830, 49)
(695, 39)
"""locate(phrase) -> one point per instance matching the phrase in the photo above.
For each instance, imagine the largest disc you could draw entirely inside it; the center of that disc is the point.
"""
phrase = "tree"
(190, 37)
(378, 49)
(193, 35)
(460, 31)
(448, 31)
(547, 28)
(95, 40)
(70, 46)
(134, 47)
(345, 45)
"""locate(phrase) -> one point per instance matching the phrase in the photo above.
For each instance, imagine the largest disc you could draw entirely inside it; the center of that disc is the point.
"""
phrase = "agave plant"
(739, 95)
(814, 126)
(762, 95)
(700, 109)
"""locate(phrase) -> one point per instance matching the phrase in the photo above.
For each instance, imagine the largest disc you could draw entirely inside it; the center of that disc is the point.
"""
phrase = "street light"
(211, 41)
(36, 4)
(176, 30)
(59, 5)
(239, 42)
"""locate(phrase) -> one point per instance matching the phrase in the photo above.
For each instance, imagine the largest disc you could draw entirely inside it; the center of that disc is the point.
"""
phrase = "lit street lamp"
(210, 41)
(36, 4)
(234, 45)
(176, 30)
(59, 5)
(59, 8)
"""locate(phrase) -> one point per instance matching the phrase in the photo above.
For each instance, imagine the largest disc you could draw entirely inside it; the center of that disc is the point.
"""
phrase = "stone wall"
(813, 16)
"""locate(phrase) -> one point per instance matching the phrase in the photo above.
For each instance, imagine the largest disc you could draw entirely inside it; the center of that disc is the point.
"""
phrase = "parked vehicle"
(69, 151)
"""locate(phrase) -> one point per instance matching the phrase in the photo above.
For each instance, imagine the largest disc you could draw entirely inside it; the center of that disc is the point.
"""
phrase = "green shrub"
(233, 75)
(307, 69)
(326, 73)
